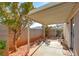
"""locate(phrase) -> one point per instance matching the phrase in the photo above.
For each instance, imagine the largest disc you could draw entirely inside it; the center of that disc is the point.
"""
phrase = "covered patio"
(55, 13)
(52, 13)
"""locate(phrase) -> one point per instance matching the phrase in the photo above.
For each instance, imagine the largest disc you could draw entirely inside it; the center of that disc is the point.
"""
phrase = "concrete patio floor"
(54, 49)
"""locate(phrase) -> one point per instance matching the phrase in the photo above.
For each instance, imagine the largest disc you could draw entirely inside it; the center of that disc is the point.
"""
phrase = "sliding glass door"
(72, 34)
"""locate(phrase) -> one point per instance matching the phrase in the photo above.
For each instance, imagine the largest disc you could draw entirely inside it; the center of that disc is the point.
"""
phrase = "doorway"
(72, 34)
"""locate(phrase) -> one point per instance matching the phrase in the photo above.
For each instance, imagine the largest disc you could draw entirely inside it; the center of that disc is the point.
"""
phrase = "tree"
(59, 30)
(14, 16)
(47, 31)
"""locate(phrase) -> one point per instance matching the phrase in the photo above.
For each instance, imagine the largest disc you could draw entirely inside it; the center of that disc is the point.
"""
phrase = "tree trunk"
(14, 41)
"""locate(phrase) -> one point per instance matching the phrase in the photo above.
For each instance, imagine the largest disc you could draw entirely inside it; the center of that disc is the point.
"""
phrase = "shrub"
(2, 44)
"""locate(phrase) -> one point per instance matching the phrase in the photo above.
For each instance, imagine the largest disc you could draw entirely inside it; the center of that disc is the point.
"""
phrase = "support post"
(44, 31)
(28, 30)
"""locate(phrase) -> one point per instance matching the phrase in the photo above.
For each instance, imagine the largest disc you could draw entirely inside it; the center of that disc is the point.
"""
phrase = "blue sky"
(39, 4)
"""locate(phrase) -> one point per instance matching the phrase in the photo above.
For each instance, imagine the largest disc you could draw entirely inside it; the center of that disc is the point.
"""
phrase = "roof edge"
(44, 7)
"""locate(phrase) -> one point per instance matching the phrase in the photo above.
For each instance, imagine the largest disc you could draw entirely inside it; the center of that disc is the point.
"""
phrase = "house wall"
(67, 34)
(76, 34)
(75, 39)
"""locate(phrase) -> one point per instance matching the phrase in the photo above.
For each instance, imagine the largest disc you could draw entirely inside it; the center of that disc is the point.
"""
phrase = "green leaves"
(2, 47)
(2, 44)
(14, 7)
(5, 3)
(26, 7)
(11, 23)
(12, 14)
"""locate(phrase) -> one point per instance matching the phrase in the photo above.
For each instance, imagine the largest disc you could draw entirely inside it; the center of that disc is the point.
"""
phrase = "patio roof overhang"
(54, 13)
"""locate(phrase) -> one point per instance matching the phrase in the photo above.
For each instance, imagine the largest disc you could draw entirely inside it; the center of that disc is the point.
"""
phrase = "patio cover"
(54, 12)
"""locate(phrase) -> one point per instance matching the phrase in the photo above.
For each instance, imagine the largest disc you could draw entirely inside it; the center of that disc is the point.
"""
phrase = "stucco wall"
(4, 37)
(35, 34)
(76, 34)
(3, 32)
(67, 35)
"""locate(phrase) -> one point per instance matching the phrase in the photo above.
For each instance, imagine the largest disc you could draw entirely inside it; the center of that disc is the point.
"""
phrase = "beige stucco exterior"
(75, 38)
(67, 36)
(76, 34)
